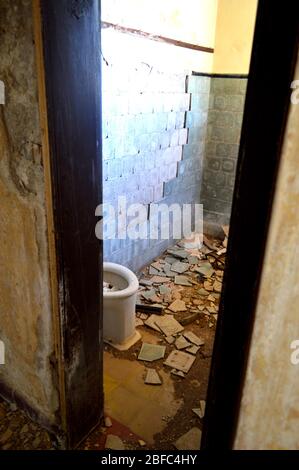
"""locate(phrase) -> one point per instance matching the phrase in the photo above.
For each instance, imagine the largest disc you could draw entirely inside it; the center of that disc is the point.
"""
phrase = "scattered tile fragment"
(170, 339)
(141, 443)
(114, 443)
(200, 412)
(182, 281)
(178, 306)
(179, 373)
(151, 352)
(170, 260)
(153, 271)
(193, 338)
(138, 322)
(181, 343)
(108, 422)
(189, 441)
(207, 285)
(192, 259)
(150, 295)
(169, 325)
(160, 279)
(156, 265)
(180, 360)
(151, 322)
(178, 253)
(193, 350)
(205, 269)
(180, 267)
(146, 282)
(202, 291)
(217, 286)
(152, 377)
(187, 319)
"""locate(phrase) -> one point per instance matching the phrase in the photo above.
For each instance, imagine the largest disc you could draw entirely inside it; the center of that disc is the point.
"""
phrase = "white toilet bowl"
(119, 307)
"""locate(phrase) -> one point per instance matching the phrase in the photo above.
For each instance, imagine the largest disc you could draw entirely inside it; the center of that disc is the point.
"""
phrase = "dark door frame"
(273, 60)
(72, 71)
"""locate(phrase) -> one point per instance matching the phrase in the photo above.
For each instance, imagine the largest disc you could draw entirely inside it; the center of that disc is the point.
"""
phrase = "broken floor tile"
(169, 325)
(179, 373)
(217, 287)
(193, 350)
(193, 259)
(143, 316)
(180, 360)
(151, 352)
(200, 412)
(178, 306)
(189, 441)
(153, 271)
(205, 269)
(222, 251)
(203, 291)
(114, 443)
(183, 281)
(193, 338)
(164, 290)
(151, 322)
(170, 339)
(208, 286)
(145, 282)
(152, 377)
(180, 267)
(160, 279)
(178, 253)
(150, 295)
(156, 265)
(170, 260)
(138, 322)
(181, 343)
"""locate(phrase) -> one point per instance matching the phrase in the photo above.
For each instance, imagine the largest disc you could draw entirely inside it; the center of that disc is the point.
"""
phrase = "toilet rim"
(127, 274)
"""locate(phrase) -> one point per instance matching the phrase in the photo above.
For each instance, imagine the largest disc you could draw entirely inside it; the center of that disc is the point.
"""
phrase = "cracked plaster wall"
(25, 301)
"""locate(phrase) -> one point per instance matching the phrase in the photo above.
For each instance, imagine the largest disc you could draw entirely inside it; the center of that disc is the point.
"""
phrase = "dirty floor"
(184, 284)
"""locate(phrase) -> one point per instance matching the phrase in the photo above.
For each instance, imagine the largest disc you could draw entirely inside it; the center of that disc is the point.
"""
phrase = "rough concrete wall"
(25, 306)
(269, 415)
(225, 116)
(146, 120)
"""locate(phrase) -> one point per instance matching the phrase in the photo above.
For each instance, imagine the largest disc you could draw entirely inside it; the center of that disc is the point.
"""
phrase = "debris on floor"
(114, 443)
(200, 412)
(176, 314)
(152, 377)
(180, 360)
(151, 352)
(190, 440)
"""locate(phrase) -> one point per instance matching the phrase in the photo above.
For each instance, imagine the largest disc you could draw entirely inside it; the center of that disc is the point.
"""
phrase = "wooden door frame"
(273, 61)
(266, 110)
(69, 69)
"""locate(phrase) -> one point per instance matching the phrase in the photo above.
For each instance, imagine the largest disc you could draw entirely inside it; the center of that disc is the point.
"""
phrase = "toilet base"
(126, 344)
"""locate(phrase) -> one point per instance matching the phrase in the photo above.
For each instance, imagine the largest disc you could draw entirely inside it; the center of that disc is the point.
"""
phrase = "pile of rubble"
(176, 290)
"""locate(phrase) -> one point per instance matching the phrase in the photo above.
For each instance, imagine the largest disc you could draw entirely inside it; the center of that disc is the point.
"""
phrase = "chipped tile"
(180, 360)
(178, 306)
(152, 377)
(193, 338)
(189, 441)
(151, 352)
(182, 281)
(169, 325)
